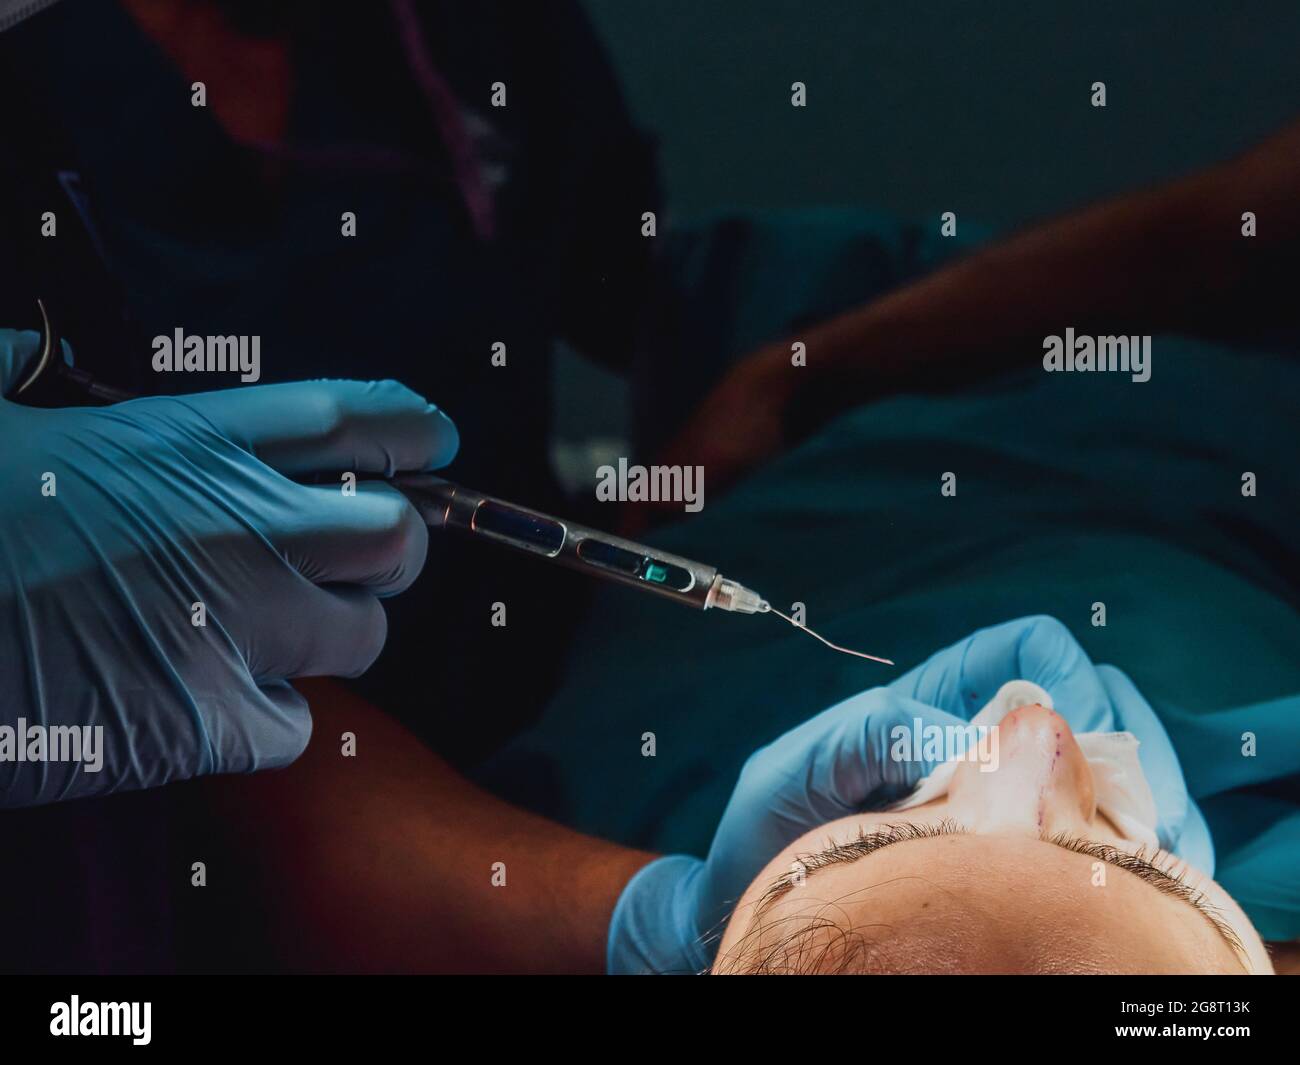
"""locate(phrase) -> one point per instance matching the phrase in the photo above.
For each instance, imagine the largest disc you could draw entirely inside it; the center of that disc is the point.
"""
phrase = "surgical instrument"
(444, 505)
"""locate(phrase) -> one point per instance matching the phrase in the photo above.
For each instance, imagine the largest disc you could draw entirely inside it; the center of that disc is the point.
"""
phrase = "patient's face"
(1013, 871)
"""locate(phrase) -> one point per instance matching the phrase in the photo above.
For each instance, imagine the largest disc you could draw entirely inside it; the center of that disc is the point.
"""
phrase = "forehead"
(965, 903)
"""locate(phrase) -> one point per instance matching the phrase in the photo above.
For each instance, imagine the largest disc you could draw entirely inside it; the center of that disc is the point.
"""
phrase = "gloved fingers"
(17, 351)
(373, 538)
(962, 678)
(655, 928)
(311, 427)
(335, 632)
(862, 753)
(1123, 696)
(868, 749)
(268, 734)
(1160, 763)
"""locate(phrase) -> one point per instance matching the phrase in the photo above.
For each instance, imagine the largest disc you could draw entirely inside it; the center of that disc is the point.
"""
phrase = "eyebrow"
(1138, 863)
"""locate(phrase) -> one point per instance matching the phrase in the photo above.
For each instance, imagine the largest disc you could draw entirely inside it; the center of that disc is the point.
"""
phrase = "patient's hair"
(825, 942)
(821, 944)
(818, 947)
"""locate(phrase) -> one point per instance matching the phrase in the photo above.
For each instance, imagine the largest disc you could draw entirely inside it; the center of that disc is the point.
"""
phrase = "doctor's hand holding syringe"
(164, 574)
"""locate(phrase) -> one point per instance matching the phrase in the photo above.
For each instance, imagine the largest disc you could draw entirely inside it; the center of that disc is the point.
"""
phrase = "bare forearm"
(1172, 258)
(391, 861)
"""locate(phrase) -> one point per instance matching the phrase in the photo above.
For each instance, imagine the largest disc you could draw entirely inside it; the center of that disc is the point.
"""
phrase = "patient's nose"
(1040, 783)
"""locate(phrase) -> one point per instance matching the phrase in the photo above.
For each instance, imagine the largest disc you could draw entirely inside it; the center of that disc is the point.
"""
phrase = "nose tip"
(1034, 710)
(1042, 782)
(1035, 721)
(1037, 736)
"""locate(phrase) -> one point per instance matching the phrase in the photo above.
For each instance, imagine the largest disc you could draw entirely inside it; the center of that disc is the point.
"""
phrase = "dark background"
(915, 109)
(980, 108)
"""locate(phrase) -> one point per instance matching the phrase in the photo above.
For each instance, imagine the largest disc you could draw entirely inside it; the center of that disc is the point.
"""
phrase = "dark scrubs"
(162, 216)
(195, 231)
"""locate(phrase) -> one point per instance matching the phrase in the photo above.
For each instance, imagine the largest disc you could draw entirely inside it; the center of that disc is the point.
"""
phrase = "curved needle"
(832, 646)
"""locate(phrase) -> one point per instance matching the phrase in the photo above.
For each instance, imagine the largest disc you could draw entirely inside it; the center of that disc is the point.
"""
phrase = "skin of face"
(996, 897)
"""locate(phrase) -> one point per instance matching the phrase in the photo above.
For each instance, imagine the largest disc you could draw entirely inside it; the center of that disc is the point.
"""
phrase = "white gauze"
(1123, 794)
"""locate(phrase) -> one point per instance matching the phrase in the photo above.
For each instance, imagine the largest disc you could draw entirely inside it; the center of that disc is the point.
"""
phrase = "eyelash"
(1149, 866)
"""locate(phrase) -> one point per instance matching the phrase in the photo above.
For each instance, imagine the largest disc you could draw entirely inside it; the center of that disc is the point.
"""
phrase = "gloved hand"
(670, 915)
(161, 577)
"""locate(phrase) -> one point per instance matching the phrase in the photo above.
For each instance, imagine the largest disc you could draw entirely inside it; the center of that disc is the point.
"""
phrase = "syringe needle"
(832, 646)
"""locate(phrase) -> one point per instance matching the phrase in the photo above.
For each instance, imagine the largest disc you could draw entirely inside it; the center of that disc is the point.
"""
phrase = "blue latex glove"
(164, 502)
(1092, 699)
(670, 915)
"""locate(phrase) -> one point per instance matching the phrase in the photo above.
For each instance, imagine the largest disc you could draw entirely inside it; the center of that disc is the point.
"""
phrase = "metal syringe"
(444, 505)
